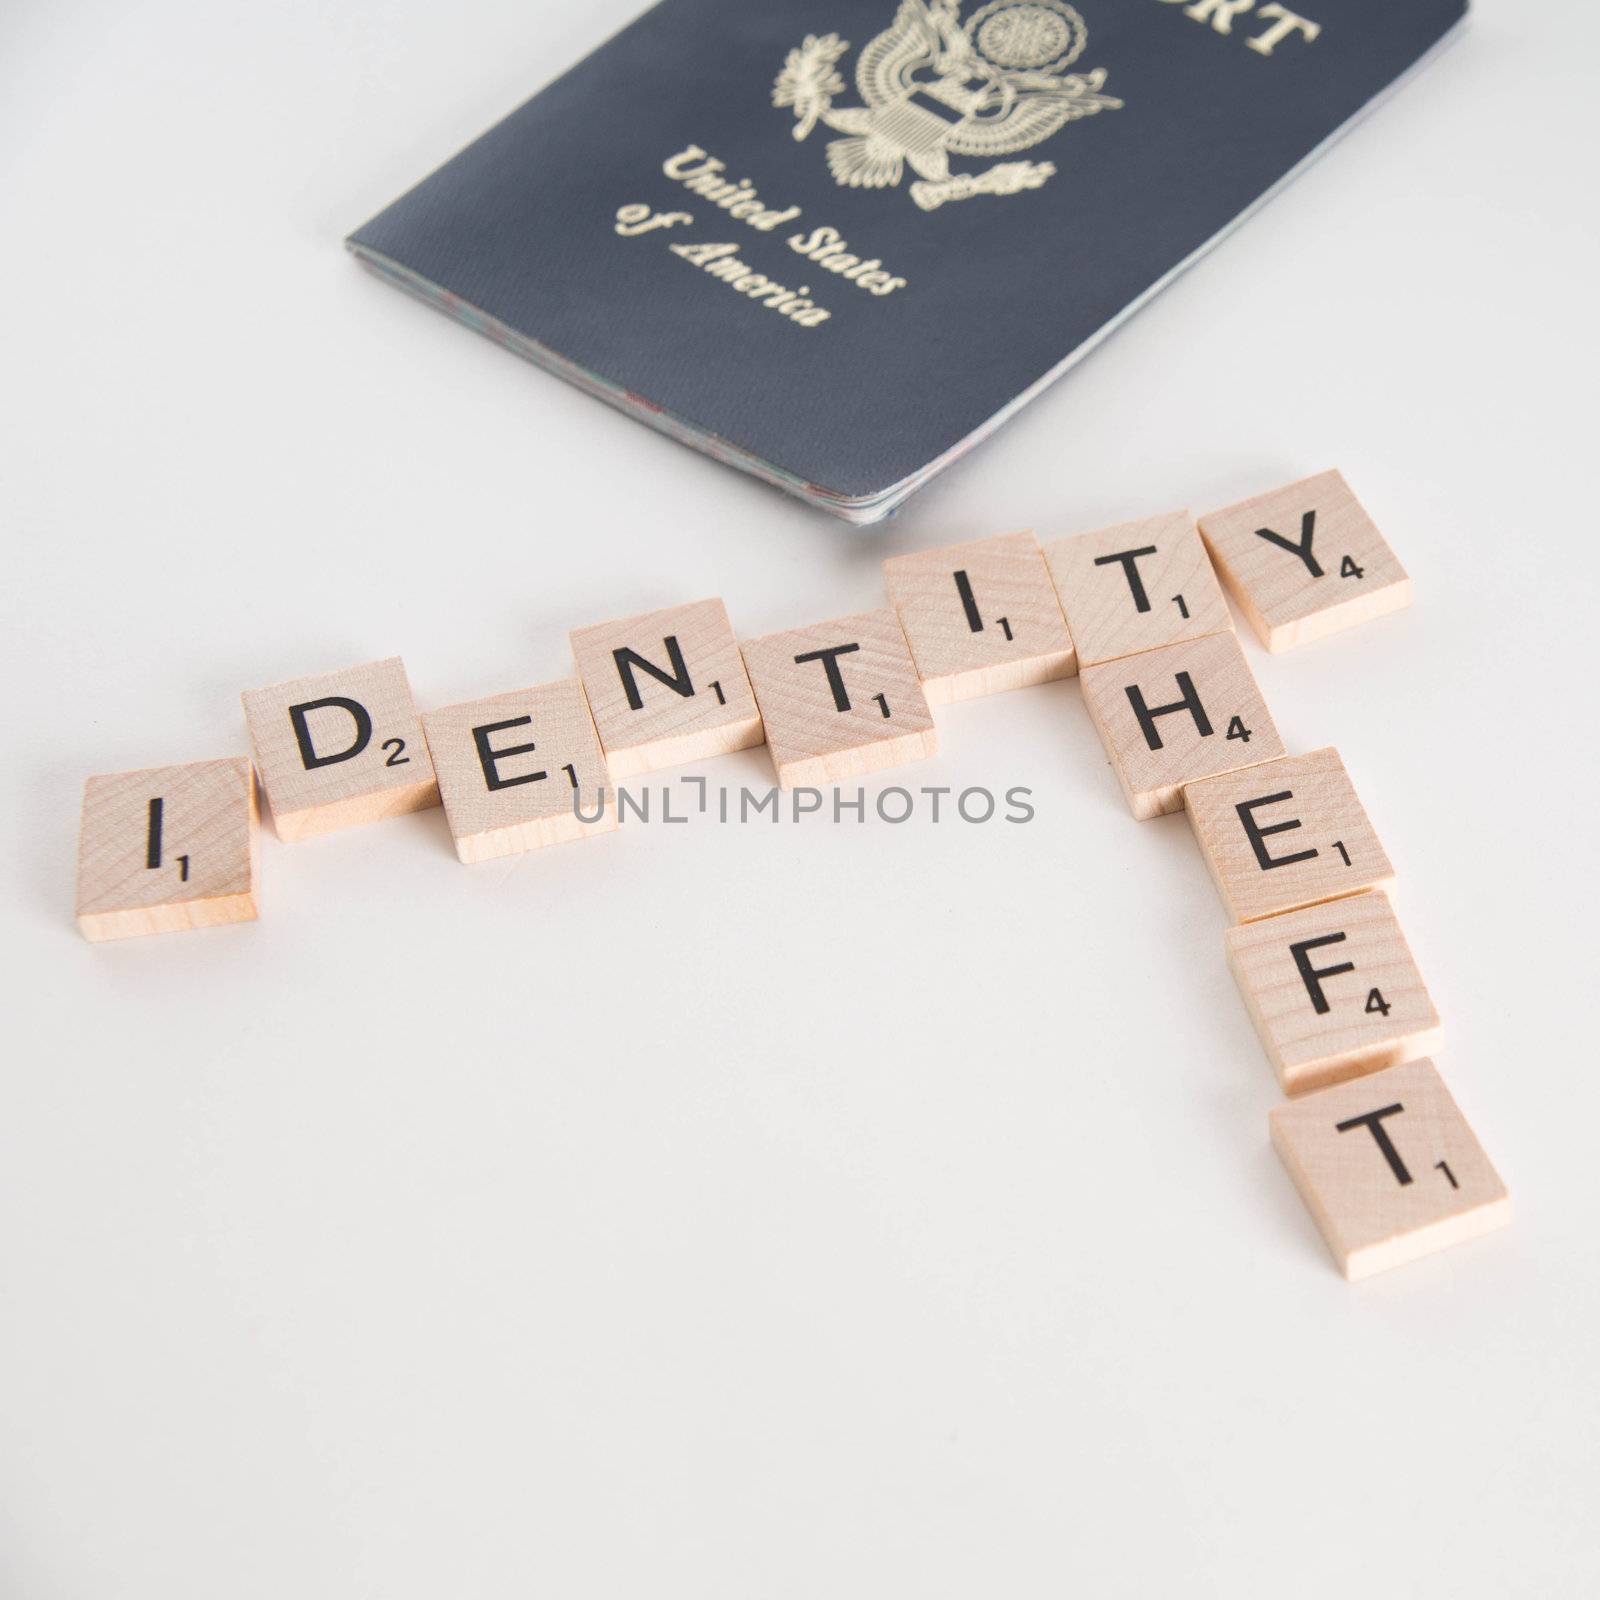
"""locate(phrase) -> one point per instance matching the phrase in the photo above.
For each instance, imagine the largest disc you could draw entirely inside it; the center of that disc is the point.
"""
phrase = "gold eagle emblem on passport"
(935, 87)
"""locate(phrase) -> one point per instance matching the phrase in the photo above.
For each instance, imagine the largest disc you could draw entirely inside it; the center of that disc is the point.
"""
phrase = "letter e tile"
(840, 699)
(980, 617)
(1305, 561)
(1285, 834)
(340, 749)
(521, 770)
(167, 849)
(1333, 991)
(1389, 1168)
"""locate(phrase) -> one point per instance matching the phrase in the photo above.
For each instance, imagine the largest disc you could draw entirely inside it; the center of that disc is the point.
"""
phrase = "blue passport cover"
(835, 242)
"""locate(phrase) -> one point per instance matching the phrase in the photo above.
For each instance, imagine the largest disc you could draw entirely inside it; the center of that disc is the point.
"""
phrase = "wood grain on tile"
(167, 849)
(1305, 561)
(667, 687)
(1169, 717)
(340, 749)
(1389, 1168)
(1286, 834)
(980, 617)
(521, 770)
(1333, 990)
(840, 699)
(1136, 586)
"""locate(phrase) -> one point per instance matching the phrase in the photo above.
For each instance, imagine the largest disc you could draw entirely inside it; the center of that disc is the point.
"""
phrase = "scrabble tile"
(667, 687)
(1305, 561)
(515, 770)
(167, 849)
(980, 617)
(840, 699)
(340, 749)
(1136, 586)
(1333, 991)
(1389, 1168)
(1169, 717)
(1286, 834)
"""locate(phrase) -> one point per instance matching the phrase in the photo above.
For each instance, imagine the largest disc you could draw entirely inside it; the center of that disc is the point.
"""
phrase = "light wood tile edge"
(185, 916)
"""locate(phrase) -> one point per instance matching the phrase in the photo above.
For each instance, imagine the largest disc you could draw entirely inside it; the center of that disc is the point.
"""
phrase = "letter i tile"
(980, 617)
(167, 849)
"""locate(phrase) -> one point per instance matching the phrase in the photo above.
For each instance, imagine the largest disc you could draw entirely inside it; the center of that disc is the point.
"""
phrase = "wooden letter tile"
(340, 749)
(1168, 717)
(516, 769)
(168, 848)
(980, 617)
(1286, 834)
(667, 687)
(840, 699)
(1136, 586)
(1333, 991)
(1389, 1168)
(1305, 561)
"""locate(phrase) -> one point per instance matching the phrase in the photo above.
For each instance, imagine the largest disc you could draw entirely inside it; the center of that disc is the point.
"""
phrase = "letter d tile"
(341, 749)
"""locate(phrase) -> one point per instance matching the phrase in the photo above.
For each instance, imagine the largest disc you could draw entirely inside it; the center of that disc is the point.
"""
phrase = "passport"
(835, 243)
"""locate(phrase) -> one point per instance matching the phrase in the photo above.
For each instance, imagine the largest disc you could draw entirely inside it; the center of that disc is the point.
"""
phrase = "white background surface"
(750, 1211)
